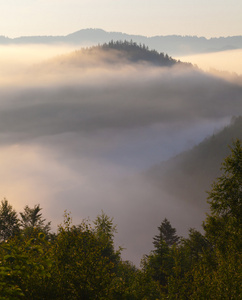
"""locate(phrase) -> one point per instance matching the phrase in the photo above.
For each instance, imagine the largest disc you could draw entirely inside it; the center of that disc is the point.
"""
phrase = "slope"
(189, 175)
(116, 53)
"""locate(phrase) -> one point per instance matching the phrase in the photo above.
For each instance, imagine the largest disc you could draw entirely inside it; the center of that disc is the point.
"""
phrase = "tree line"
(135, 53)
(81, 262)
(138, 52)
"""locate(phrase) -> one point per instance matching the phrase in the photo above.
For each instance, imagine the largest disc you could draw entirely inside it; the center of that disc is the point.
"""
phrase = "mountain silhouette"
(117, 53)
(172, 44)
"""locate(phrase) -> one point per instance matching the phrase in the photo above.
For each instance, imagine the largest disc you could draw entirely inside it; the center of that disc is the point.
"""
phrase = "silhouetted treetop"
(117, 53)
(138, 53)
(166, 234)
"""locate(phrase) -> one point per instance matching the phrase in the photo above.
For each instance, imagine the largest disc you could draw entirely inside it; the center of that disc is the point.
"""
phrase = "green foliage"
(81, 269)
(133, 284)
(27, 265)
(31, 219)
(9, 222)
(8, 289)
(104, 226)
(219, 274)
(206, 266)
(195, 246)
(160, 263)
(219, 281)
(104, 230)
(225, 198)
(80, 263)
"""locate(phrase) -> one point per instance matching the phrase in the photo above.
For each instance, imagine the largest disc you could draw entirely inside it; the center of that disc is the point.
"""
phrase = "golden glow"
(229, 61)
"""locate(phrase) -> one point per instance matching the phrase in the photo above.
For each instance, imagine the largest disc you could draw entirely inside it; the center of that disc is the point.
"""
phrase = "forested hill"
(118, 53)
(137, 53)
(189, 175)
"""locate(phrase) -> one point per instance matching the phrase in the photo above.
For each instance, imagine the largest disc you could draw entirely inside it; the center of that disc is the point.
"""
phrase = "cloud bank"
(223, 61)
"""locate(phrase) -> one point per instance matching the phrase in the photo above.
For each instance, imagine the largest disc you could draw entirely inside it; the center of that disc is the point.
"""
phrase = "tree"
(25, 269)
(218, 274)
(104, 226)
(9, 222)
(167, 234)
(195, 245)
(226, 194)
(132, 283)
(225, 199)
(105, 230)
(32, 219)
(160, 263)
(81, 270)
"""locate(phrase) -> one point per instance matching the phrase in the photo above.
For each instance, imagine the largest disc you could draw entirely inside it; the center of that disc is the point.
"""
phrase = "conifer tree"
(166, 234)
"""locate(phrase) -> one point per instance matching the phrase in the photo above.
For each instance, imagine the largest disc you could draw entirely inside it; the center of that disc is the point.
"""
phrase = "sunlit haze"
(155, 17)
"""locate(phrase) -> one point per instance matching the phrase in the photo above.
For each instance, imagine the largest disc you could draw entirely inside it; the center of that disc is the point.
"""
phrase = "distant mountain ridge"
(172, 44)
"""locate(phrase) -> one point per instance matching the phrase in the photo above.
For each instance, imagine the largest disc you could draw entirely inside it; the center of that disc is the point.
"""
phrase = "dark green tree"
(195, 245)
(131, 283)
(225, 198)
(105, 230)
(218, 274)
(31, 219)
(9, 222)
(25, 268)
(160, 263)
(82, 270)
(104, 226)
(167, 234)
(225, 222)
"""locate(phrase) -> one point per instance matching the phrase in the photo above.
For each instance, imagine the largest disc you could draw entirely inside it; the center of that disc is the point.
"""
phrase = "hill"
(189, 175)
(172, 44)
(119, 52)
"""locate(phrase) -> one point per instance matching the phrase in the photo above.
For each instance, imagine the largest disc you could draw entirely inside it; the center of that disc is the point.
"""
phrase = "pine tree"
(166, 234)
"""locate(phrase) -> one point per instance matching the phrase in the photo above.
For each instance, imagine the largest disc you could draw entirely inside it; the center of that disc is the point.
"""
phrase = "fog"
(76, 136)
(223, 61)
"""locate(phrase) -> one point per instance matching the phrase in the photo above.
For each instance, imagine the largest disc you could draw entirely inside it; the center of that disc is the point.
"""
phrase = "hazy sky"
(209, 18)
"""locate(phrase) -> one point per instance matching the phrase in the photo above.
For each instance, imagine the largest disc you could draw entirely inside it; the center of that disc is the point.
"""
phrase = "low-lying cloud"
(223, 61)
(76, 137)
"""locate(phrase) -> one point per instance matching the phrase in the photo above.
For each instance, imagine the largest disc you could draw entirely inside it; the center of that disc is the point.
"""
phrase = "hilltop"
(119, 52)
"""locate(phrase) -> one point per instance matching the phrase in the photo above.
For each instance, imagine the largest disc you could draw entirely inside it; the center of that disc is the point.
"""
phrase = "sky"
(209, 18)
